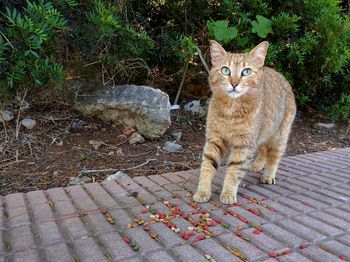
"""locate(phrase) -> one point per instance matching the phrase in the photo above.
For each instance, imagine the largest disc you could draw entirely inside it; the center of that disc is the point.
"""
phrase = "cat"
(249, 120)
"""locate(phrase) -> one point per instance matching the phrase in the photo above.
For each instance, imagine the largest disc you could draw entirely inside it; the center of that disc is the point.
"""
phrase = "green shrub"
(27, 47)
(123, 41)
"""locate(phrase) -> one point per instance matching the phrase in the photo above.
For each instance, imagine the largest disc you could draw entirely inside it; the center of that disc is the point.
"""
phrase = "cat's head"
(233, 75)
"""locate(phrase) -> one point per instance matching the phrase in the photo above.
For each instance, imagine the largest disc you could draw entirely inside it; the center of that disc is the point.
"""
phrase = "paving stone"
(318, 225)
(74, 227)
(121, 218)
(264, 242)
(336, 248)
(301, 230)
(116, 247)
(345, 239)
(168, 237)
(18, 216)
(159, 180)
(309, 201)
(147, 244)
(30, 255)
(64, 208)
(36, 197)
(251, 251)
(114, 189)
(217, 251)
(317, 254)
(58, 253)
(144, 182)
(309, 204)
(338, 212)
(188, 253)
(281, 209)
(293, 257)
(160, 256)
(301, 207)
(88, 250)
(21, 238)
(130, 185)
(332, 194)
(321, 198)
(57, 194)
(97, 223)
(42, 212)
(49, 233)
(330, 219)
(15, 200)
(232, 221)
(101, 197)
(283, 235)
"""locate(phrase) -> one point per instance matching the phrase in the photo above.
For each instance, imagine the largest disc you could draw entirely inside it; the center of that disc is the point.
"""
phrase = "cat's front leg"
(212, 154)
(238, 164)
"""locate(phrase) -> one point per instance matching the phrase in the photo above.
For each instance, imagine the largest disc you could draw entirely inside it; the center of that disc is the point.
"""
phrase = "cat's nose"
(234, 85)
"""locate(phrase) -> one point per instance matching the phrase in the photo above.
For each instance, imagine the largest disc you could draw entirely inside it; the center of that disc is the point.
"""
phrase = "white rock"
(117, 176)
(172, 147)
(324, 126)
(136, 138)
(176, 135)
(175, 107)
(6, 116)
(194, 107)
(28, 123)
(75, 181)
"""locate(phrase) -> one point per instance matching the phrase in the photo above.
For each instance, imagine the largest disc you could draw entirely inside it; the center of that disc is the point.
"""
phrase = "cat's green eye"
(225, 71)
(246, 72)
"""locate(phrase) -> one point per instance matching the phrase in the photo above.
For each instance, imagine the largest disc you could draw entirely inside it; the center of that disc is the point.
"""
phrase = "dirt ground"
(58, 148)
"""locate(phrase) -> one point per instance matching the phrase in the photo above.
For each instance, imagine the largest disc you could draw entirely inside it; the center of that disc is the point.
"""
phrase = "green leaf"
(262, 27)
(221, 31)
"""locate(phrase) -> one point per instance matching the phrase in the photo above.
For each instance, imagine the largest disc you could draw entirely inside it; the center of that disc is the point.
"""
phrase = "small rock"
(95, 144)
(174, 107)
(136, 138)
(117, 176)
(128, 131)
(176, 135)
(172, 147)
(28, 123)
(194, 107)
(6, 116)
(75, 181)
(86, 179)
(324, 126)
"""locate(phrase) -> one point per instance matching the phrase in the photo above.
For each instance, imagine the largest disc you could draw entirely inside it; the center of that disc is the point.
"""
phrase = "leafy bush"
(43, 42)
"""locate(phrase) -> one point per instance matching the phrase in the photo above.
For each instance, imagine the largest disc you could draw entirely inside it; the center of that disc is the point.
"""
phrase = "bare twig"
(202, 59)
(83, 172)
(182, 81)
(18, 125)
(8, 41)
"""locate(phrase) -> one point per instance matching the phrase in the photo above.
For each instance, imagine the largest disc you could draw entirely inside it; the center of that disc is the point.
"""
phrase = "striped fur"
(249, 120)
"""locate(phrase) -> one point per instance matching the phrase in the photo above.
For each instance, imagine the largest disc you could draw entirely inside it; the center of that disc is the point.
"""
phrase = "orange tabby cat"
(249, 120)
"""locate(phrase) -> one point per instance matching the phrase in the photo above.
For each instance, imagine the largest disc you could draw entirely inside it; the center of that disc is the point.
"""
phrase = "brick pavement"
(305, 217)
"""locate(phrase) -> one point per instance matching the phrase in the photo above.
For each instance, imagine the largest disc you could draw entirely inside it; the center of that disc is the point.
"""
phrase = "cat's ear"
(216, 52)
(258, 54)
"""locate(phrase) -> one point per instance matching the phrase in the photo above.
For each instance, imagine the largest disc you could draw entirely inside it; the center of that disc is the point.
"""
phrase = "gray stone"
(143, 107)
(176, 135)
(117, 176)
(172, 147)
(324, 126)
(75, 181)
(28, 123)
(6, 116)
(194, 107)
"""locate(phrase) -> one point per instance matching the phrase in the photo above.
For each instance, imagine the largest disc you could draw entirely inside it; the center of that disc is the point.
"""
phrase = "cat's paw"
(228, 198)
(257, 166)
(201, 197)
(267, 180)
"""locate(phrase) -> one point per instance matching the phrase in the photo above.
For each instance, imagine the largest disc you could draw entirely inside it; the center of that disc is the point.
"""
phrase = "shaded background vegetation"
(44, 43)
